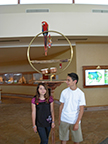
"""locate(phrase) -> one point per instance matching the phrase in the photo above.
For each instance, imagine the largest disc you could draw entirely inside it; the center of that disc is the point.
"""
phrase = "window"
(8, 2)
(8, 78)
(11, 2)
(45, 1)
(1, 79)
(101, 2)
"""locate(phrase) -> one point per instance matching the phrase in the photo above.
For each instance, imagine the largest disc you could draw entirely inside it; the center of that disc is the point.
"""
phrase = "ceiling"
(15, 49)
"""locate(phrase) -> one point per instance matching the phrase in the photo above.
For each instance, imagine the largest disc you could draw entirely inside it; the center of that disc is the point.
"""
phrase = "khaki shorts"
(64, 132)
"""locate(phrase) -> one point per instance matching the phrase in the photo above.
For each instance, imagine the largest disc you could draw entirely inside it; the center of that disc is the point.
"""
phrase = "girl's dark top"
(43, 112)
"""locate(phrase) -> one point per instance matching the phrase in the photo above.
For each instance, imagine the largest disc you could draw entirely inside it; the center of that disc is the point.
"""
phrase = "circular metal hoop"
(71, 51)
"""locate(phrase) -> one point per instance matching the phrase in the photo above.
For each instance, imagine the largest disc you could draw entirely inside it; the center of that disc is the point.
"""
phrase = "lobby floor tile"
(16, 123)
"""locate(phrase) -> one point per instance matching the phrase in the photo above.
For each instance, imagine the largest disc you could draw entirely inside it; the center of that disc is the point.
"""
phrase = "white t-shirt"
(72, 100)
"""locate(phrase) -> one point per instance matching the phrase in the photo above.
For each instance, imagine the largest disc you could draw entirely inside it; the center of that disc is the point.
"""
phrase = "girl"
(42, 113)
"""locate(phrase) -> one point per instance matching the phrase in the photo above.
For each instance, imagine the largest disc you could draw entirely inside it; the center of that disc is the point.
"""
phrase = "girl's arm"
(52, 114)
(34, 116)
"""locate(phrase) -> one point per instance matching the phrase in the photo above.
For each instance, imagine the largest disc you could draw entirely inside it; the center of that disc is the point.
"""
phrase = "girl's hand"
(35, 129)
(53, 125)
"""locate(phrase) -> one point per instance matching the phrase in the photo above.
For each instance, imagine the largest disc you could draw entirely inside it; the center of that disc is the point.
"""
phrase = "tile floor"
(16, 124)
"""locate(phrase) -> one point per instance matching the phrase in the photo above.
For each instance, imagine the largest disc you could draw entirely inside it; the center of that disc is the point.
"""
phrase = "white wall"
(69, 23)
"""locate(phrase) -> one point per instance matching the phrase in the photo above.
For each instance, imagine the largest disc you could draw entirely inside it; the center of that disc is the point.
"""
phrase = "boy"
(71, 110)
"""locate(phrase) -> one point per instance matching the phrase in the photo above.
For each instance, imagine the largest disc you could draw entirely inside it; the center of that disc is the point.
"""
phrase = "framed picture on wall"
(95, 76)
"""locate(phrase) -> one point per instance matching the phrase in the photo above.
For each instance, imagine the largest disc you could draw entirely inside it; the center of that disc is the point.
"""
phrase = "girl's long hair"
(38, 94)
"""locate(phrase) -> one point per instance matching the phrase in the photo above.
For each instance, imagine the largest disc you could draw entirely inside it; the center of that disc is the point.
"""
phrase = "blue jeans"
(44, 134)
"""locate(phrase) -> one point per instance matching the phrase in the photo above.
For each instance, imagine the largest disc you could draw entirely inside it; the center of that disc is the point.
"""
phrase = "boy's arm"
(76, 125)
(60, 110)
